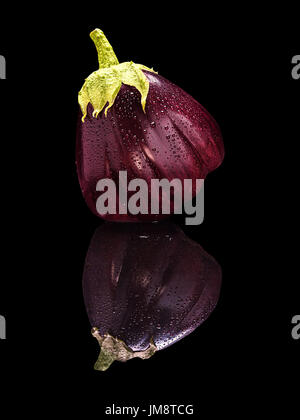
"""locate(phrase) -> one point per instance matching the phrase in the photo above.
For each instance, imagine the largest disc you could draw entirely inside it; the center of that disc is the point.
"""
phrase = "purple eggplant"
(145, 287)
(132, 119)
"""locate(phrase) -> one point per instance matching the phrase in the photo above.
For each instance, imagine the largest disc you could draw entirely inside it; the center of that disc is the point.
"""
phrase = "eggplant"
(132, 119)
(145, 287)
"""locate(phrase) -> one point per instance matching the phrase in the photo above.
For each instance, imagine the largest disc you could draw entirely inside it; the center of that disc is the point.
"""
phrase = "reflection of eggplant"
(146, 287)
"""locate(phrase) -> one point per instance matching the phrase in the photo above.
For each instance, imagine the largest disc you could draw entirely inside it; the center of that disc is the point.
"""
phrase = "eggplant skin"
(174, 138)
(148, 283)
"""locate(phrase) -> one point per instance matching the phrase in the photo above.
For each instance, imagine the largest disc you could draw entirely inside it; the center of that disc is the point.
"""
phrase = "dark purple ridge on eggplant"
(145, 287)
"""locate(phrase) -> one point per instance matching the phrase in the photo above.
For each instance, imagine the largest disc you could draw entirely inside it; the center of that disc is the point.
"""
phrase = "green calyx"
(115, 349)
(103, 85)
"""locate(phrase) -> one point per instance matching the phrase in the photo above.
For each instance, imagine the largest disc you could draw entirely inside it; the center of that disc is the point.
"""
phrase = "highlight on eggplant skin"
(145, 287)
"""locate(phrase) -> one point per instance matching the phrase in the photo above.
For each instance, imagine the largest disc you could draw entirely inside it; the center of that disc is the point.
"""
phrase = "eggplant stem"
(103, 85)
(115, 349)
(104, 360)
(106, 55)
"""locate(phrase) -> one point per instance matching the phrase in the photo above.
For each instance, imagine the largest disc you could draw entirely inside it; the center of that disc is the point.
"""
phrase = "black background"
(238, 65)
